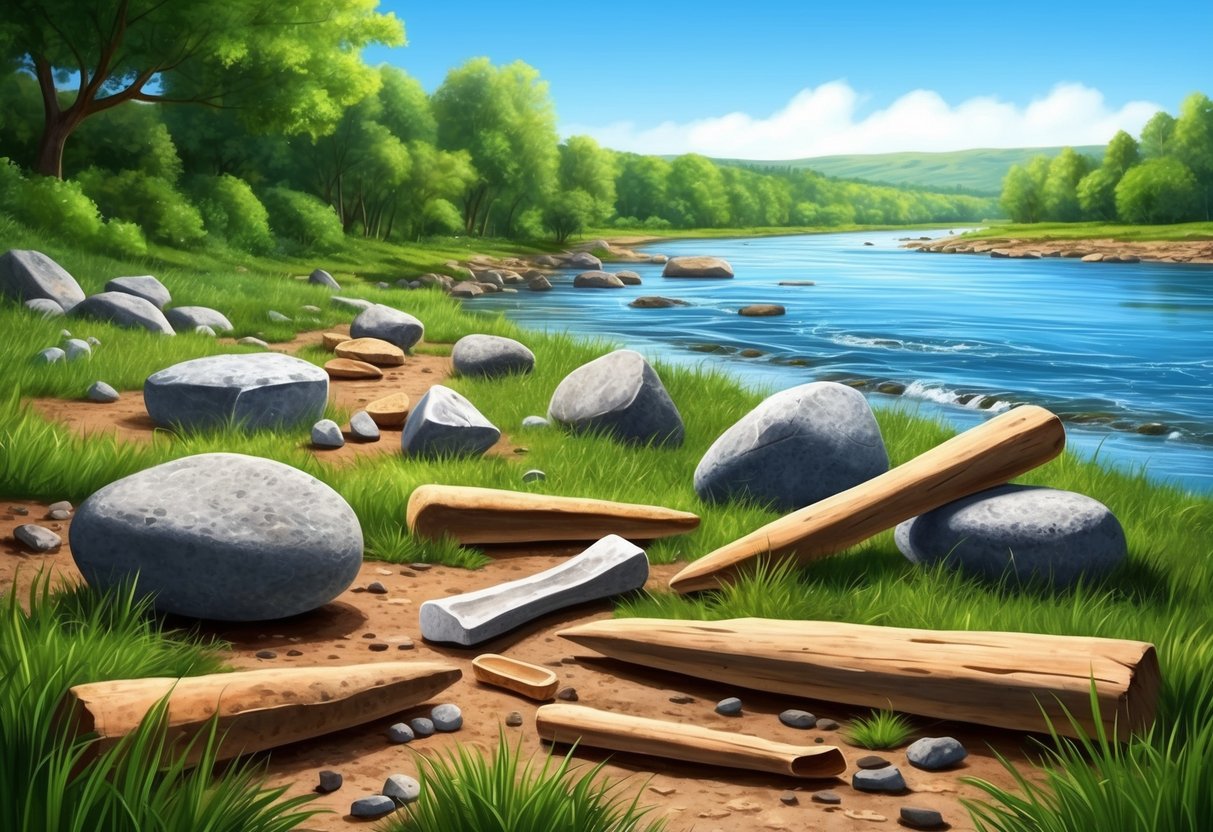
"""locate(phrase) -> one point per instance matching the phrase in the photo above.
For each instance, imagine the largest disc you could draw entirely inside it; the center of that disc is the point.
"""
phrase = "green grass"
(729, 233)
(466, 791)
(883, 730)
(1096, 230)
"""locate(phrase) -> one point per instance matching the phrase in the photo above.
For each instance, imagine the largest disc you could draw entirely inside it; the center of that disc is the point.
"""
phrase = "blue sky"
(766, 79)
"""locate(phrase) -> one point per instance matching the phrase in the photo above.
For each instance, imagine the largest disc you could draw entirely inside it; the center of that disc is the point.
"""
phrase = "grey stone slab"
(189, 318)
(887, 780)
(29, 275)
(124, 310)
(619, 394)
(37, 538)
(102, 392)
(489, 356)
(319, 277)
(142, 286)
(356, 304)
(444, 423)
(388, 324)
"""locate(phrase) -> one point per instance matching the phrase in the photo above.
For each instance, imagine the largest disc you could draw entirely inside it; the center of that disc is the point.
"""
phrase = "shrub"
(882, 730)
(1157, 191)
(232, 212)
(55, 205)
(11, 185)
(122, 238)
(163, 212)
(303, 219)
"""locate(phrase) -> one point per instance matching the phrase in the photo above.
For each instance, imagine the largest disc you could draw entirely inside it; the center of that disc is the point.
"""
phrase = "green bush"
(232, 212)
(122, 238)
(882, 730)
(303, 219)
(1157, 191)
(165, 215)
(11, 185)
(61, 206)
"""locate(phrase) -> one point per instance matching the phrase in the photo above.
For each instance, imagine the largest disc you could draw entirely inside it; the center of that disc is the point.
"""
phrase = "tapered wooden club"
(983, 457)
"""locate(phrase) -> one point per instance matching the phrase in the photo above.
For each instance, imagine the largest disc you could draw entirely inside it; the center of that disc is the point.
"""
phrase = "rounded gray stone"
(77, 348)
(319, 277)
(935, 753)
(36, 538)
(124, 310)
(794, 718)
(388, 324)
(798, 446)
(400, 733)
(886, 780)
(363, 427)
(50, 355)
(447, 717)
(220, 536)
(401, 788)
(30, 275)
(444, 423)
(45, 307)
(539, 284)
(277, 317)
(102, 392)
(489, 356)
(142, 286)
(356, 304)
(204, 331)
(253, 390)
(250, 341)
(422, 727)
(628, 278)
(828, 797)
(597, 280)
(373, 806)
(619, 394)
(535, 422)
(1028, 532)
(916, 817)
(189, 318)
(327, 434)
(583, 260)
(330, 781)
(729, 707)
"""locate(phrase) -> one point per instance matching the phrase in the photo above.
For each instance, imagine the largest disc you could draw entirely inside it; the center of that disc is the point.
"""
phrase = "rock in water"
(761, 310)
(697, 267)
(320, 277)
(597, 280)
(1028, 531)
(124, 310)
(102, 393)
(539, 284)
(444, 423)
(798, 446)
(656, 302)
(620, 394)
(628, 278)
(28, 275)
(220, 536)
(189, 318)
(388, 324)
(253, 390)
(142, 286)
(583, 260)
(489, 356)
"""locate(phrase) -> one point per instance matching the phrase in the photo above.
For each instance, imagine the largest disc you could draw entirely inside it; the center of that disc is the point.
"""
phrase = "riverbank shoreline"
(1089, 250)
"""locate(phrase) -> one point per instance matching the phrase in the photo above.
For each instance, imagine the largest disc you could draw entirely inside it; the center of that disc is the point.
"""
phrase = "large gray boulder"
(597, 280)
(189, 318)
(444, 423)
(220, 536)
(27, 275)
(124, 310)
(388, 324)
(319, 277)
(253, 390)
(490, 356)
(1024, 531)
(797, 447)
(142, 286)
(697, 267)
(582, 260)
(619, 394)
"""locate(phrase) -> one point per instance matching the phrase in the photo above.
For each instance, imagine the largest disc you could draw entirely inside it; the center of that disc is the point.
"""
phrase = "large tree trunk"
(50, 146)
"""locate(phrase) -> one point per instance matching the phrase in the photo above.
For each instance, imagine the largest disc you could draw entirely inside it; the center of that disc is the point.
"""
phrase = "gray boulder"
(363, 427)
(102, 393)
(45, 307)
(935, 753)
(887, 780)
(401, 788)
(620, 394)
(142, 286)
(254, 390)
(388, 324)
(582, 260)
(29, 275)
(1028, 531)
(320, 277)
(327, 434)
(76, 348)
(37, 538)
(597, 280)
(798, 446)
(220, 536)
(124, 310)
(189, 318)
(445, 423)
(539, 284)
(628, 278)
(50, 355)
(466, 290)
(697, 267)
(356, 304)
(490, 356)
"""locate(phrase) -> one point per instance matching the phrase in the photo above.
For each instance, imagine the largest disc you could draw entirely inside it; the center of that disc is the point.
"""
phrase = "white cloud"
(824, 121)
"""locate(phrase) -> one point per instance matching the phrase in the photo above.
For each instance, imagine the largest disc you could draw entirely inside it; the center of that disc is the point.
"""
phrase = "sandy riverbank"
(1104, 250)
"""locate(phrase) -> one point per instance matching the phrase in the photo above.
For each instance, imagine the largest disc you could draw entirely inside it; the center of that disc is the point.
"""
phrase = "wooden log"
(528, 679)
(257, 709)
(690, 743)
(1007, 680)
(980, 458)
(488, 515)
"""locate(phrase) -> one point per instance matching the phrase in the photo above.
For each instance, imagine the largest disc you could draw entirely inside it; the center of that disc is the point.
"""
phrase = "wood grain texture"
(983, 457)
(690, 743)
(1006, 680)
(530, 680)
(489, 515)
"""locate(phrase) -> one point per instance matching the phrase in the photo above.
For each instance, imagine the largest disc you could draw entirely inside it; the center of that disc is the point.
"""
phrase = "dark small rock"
(919, 818)
(400, 733)
(294, 653)
(794, 718)
(935, 753)
(376, 588)
(374, 806)
(827, 797)
(872, 761)
(420, 567)
(514, 720)
(567, 694)
(729, 707)
(330, 781)
(266, 654)
(827, 725)
(682, 699)
(788, 799)
(422, 726)
(887, 780)
(377, 646)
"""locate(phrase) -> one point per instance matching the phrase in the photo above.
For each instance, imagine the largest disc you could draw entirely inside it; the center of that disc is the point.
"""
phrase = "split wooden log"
(488, 515)
(983, 457)
(1006, 680)
(528, 679)
(690, 743)
(256, 709)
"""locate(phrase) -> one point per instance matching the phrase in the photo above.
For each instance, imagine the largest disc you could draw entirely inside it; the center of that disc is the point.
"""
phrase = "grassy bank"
(649, 234)
(1180, 232)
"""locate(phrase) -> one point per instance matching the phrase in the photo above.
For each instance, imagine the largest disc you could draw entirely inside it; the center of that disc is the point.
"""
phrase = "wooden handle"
(983, 457)
(689, 743)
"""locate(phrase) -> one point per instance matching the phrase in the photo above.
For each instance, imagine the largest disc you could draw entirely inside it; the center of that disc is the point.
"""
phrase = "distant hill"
(977, 171)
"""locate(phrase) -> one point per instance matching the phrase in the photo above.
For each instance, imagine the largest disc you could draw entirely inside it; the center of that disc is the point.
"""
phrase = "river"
(1123, 352)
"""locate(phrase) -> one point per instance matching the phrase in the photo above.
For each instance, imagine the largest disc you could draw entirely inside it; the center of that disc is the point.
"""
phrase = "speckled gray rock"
(277, 317)
(388, 324)
(45, 307)
(918, 818)
(400, 733)
(444, 423)
(363, 427)
(189, 318)
(101, 392)
(935, 753)
(488, 356)
(124, 310)
(609, 567)
(330, 781)
(327, 434)
(373, 806)
(142, 286)
(620, 394)
(1024, 531)
(27, 275)
(402, 789)
(729, 707)
(356, 304)
(254, 390)
(77, 348)
(597, 280)
(320, 277)
(887, 780)
(50, 355)
(794, 718)
(220, 536)
(447, 717)
(582, 260)
(422, 726)
(250, 341)
(36, 538)
(797, 447)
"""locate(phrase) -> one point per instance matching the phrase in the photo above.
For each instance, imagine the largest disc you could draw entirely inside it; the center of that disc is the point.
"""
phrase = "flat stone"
(373, 806)
(388, 324)
(250, 341)
(597, 280)
(610, 567)
(535, 422)
(682, 699)
(327, 434)
(123, 310)
(1026, 532)
(827, 797)
(447, 718)
(729, 707)
(189, 318)
(36, 538)
(252, 390)
(355, 304)
(330, 781)
(628, 278)
(44, 307)
(444, 423)
(872, 761)
(401, 788)
(935, 753)
(697, 267)
(310, 309)
(797, 283)
(489, 356)
(794, 718)
(788, 799)
(31, 275)
(331, 340)
(887, 780)
(371, 350)
(61, 505)
(50, 355)
(466, 291)
(266, 654)
(142, 286)
(319, 277)
(277, 317)
(349, 368)
(656, 302)
(918, 818)
(220, 536)
(389, 411)
(363, 427)
(761, 310)
(422, 727)
(798, 446)
(619, 394)
(400, 733)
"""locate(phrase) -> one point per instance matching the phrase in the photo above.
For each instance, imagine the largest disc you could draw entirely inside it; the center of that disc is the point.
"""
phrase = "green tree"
(1121, 154)
(1061, 186)
(587, 167)
(1023, 190)
(1192, 144)
(697, 193)
(1097, 194)
(1156, 136)
(568, 212)
(290, 65)
(642, 187)
(1157, 191)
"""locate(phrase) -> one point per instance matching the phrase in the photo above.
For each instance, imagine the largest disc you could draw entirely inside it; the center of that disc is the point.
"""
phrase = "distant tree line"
(1166, 176)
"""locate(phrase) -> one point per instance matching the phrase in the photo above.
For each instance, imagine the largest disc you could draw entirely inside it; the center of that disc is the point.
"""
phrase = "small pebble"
(682, 699)
(402, 789)
(377, 588)
(76, 349)
(797, 719)
(20, 511)
(522, 450)
(36, 538)
(372, 807)
(788, 799)
(51, 355)
(327, 434)
(59, 514)
(514, 720)
(827, 797)
(363, 427)
(935, 753)
(266, 654)
(250, 341)
(729, 707)
(65, 334)
(918, 818)
(819, 740)
(827, 725)
(420, 567)
(422, 727)
(377, 646)
(403, 643)
(93, 341)
(310, 309)
(277, 317)
(534, 475)
(872, 761)
(447, 717)
(400, 733)
(294, 653)
(101, 393)
(535, 422)
(567, 694)
(887, 779)
(330, 781)
(62, 505)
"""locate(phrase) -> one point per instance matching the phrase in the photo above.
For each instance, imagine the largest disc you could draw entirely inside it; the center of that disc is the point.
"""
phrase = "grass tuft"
(883, 730)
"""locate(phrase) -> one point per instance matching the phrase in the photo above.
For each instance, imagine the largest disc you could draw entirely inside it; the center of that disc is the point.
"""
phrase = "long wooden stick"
(689, 743)
(983, 457)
